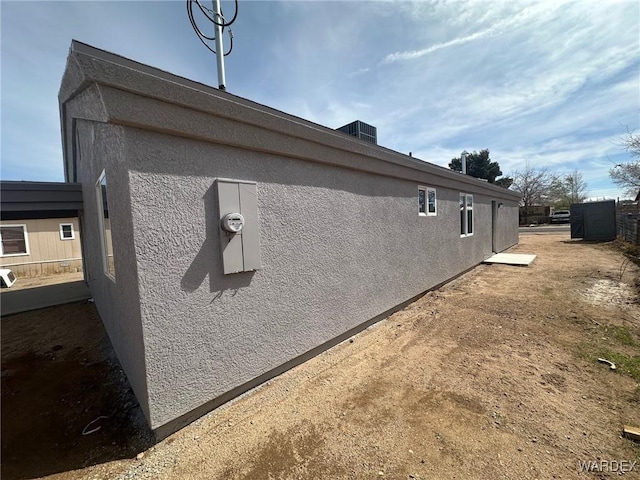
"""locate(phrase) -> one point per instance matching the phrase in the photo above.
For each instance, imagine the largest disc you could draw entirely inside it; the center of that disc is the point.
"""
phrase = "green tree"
(505, 182)
(479, 165)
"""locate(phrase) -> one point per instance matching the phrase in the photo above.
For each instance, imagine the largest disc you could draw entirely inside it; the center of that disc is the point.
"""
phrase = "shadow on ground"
(60, 374)
(582, 241)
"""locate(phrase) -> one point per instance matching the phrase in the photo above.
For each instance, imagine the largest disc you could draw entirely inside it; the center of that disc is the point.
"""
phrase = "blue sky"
(555, 84)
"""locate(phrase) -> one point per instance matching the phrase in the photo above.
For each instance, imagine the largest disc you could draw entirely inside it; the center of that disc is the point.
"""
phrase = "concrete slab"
(511, 259)
(26, 299)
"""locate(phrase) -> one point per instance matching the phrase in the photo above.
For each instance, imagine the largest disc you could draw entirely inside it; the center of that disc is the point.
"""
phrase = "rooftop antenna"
(216, 17)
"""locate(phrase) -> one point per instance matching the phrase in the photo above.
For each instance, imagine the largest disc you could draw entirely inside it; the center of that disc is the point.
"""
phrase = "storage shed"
(594, 221)
(244, 240)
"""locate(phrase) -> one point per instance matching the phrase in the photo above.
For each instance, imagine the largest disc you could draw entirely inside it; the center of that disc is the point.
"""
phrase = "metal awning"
(26, 200)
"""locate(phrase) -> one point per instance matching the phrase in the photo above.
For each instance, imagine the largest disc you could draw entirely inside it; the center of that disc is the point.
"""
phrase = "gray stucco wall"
(506, 232)
(338, 248)
(100, 146)
(341, 240)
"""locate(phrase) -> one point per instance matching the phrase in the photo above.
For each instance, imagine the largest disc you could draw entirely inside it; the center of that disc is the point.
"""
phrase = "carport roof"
(27, 200)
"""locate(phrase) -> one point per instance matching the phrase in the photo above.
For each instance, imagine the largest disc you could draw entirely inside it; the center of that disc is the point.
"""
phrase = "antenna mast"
(217, 15)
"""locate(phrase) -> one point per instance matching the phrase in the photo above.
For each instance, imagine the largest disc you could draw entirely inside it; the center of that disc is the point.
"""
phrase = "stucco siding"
(507, 218)
(341, 239)
(338, 247)
(100, 147)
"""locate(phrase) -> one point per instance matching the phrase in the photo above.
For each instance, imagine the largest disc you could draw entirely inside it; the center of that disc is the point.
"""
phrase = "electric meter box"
(233, 222)
(239, 230)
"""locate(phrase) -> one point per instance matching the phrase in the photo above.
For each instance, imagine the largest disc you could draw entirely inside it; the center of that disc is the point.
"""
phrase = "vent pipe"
(463, 160)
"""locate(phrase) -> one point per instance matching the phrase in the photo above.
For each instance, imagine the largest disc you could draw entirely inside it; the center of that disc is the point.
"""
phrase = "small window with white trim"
(422, 201)
(14, 240)
(432, 208)
(466, 214)
(66, 231)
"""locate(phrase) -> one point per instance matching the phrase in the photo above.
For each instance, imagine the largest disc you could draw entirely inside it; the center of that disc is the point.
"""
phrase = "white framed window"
(14, 240)
(422, 200)
(466, 214)
(105, 227)
(67, 232)
(432, 207)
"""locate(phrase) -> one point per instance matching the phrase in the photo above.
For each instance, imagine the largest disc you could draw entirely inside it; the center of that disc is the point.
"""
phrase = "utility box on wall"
(239, 226)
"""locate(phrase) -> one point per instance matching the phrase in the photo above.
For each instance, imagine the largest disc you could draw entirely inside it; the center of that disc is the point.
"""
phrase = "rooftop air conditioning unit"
(361, 130)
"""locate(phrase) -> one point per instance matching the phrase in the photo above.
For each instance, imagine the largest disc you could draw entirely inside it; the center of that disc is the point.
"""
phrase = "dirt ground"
(493, 376)
(59, 373)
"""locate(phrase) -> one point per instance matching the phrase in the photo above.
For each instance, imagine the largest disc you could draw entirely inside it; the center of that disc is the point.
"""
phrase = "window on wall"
(14, 240)
(431, 201)
(422, 200)
(427, 201)
(466, 214)
(66, 231)
(105, 226)
(469, 214)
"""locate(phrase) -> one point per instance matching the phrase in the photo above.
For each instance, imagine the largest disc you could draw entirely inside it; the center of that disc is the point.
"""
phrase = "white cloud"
(410, 55)
(465, 15)
(551, 82)
(360, 71)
